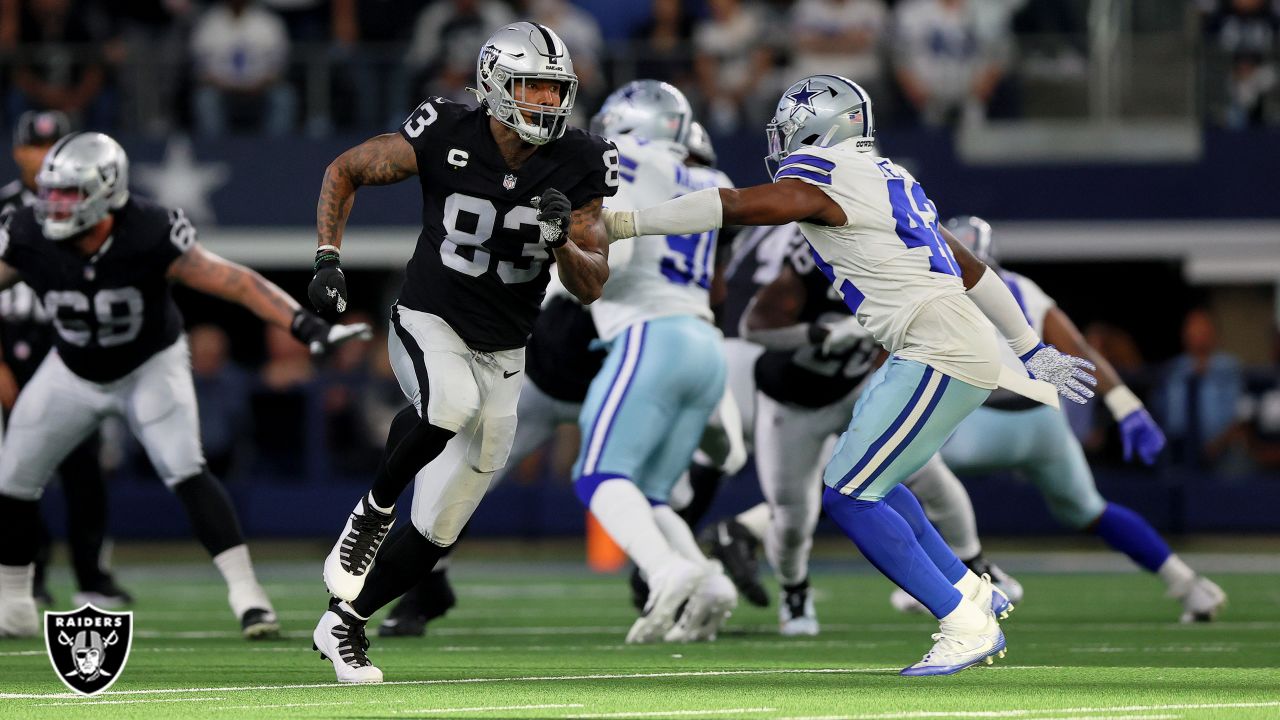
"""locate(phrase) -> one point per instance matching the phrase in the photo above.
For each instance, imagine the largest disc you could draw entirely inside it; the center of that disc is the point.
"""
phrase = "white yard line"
(463, 681)
(482, 708)
(122, 702)
(1039, 714)
(674, 713)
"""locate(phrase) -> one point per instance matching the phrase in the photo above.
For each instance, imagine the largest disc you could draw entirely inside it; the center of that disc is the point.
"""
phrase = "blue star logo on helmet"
(803, 99)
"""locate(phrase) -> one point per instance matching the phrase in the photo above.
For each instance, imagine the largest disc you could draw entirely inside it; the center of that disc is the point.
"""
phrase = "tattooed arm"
(380, 160)
(584, 260)
(202, 270)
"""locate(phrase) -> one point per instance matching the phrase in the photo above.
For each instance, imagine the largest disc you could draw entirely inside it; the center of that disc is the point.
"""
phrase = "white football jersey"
(653, 276)
(891, 264)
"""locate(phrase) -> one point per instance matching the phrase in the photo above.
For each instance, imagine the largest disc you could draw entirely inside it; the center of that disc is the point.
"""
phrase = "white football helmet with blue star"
(820, 110)
(647, 109)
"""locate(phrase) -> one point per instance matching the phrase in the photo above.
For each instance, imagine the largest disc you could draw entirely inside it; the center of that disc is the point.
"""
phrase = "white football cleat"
(669, 588)
(340, 638)
(954, 650)
(1201, 600)
(903, 602)
(992, 598)
(348, 563)
(18, 617)
(708, 608)
(796, 615)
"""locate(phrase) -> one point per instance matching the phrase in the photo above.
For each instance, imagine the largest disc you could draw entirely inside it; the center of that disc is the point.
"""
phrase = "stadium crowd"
(319, 66)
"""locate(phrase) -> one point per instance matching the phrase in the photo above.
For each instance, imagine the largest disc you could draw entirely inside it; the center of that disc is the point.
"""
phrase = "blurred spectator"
(222, 391)
(280, 406)
(661, 46)
(1199, 399)
(581, 35)
(241, 52)
(370, 38)
(307, 21)
(351, 441)
(950, 57)
(731, 60)
(149, 47)
(1245, 32)
(59, 63)
(839, 37)
(446, 42)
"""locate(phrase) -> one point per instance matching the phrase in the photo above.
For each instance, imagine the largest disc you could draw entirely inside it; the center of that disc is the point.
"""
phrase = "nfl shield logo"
(509, 182)
(88, 647)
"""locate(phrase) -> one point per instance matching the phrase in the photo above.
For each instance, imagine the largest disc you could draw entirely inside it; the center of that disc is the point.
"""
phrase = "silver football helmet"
(512, 57)
(84, 177)
(820, 110)
(701, 150)
(649, 109)
(975, 234)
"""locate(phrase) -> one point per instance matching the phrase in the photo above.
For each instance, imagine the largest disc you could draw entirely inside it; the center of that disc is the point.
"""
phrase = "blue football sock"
(888, 542)
(906, 505)
(1126, 531)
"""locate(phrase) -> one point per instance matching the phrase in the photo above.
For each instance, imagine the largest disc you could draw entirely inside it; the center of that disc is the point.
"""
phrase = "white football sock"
(17, 581)
(756, 520)
(625, 513)
(969, 585)
(1176, 574)
(967, 617)
(678, 534)
(374, 504)
(243, 590)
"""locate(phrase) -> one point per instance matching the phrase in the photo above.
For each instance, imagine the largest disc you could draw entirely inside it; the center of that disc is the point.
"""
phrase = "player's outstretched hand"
(1141, 435)
(328, 288)
(842, 336)
(1068, 373)
(321, 337)
(553, 217)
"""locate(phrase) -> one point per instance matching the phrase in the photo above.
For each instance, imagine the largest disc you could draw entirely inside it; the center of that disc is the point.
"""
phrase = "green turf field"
(544, 640)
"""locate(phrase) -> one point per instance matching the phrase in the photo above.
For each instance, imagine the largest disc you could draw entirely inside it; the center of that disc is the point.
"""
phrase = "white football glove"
(1068, 373)
(843, 335)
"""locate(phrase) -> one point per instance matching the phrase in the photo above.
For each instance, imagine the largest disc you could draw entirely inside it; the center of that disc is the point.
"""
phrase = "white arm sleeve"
(693, 213)
(995, 301)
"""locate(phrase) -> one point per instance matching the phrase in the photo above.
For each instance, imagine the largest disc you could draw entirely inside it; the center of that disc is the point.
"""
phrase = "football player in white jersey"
(1008, 433)
(664, 376)
(875, 234)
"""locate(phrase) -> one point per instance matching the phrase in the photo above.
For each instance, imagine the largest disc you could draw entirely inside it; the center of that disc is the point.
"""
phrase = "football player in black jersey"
(25, 338)
(102, 262)
(507, 189)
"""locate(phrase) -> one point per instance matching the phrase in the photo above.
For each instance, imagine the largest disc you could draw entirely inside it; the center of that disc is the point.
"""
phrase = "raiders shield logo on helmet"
(88, 647)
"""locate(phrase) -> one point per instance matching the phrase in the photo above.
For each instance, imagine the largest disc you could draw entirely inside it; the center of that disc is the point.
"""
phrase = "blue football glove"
(1068, 373)
(1142, 435)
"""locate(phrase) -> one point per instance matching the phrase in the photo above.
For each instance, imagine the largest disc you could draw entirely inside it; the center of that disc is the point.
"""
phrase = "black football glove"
(553, 217)
(320, 336)
(328, 288)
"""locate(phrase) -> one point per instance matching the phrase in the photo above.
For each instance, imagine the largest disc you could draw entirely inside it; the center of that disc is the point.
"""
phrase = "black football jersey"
(480, 263)
(113, 311)
(806, 376)
(754, 262)
(560, 359)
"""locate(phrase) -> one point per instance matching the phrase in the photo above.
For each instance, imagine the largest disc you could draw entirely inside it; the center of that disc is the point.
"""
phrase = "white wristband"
(995, 301)
(619, 224)
(693, 213)
(1121, 402)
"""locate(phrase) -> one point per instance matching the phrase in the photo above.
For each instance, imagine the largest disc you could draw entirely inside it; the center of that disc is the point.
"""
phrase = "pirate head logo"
(88, 647)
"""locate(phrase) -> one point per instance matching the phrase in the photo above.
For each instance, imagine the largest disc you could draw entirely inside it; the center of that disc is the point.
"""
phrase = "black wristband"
(307, 326)
(327, 257)
(818, 333)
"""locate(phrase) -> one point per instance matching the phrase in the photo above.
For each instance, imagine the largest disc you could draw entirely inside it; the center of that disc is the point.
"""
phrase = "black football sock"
(19, 531)
(705, 481)
(409, 449)
(404, 559)
(86, 493)
(209, 509)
